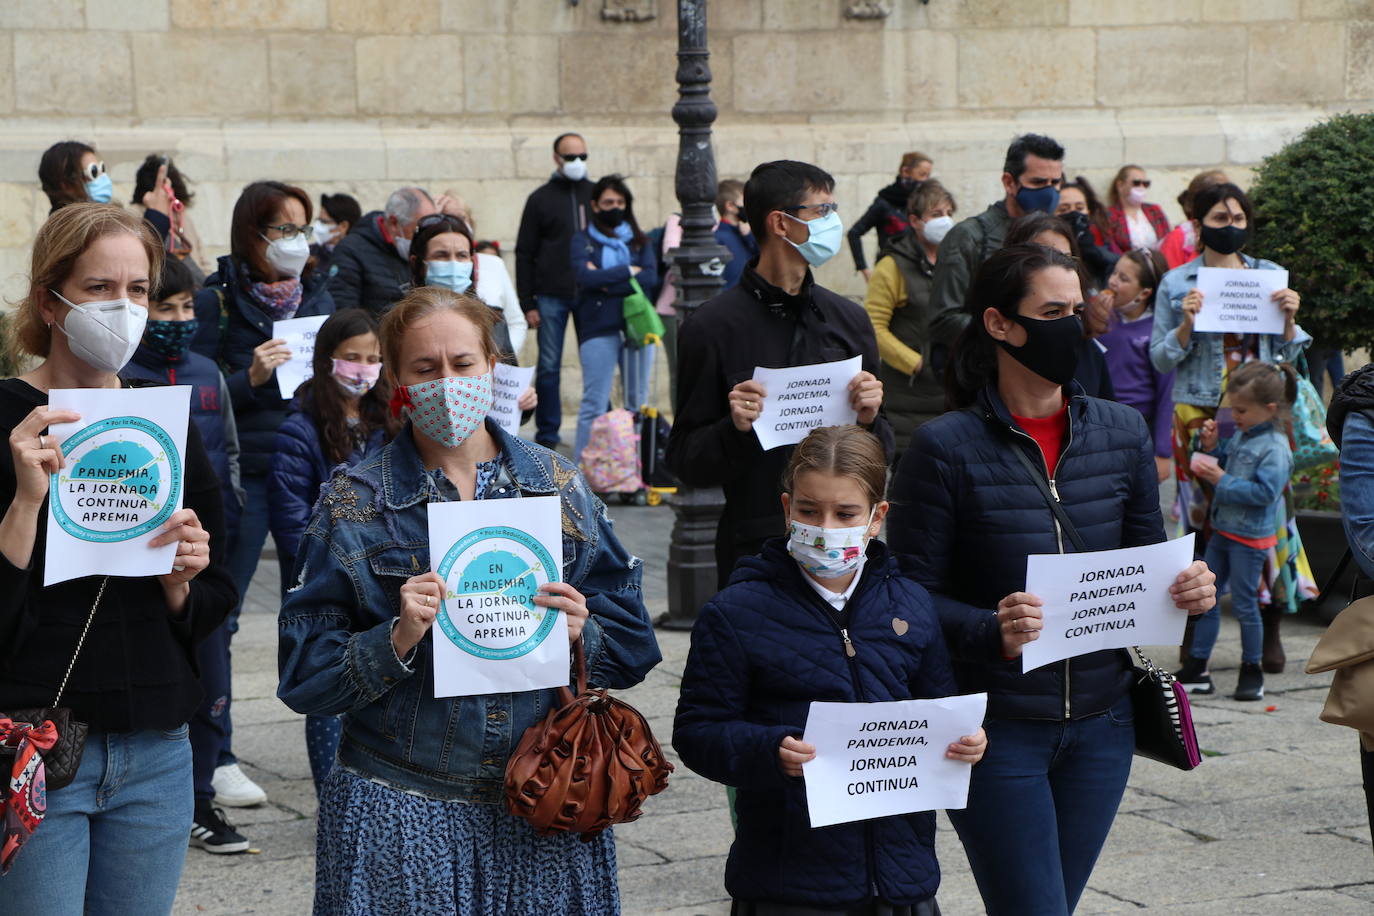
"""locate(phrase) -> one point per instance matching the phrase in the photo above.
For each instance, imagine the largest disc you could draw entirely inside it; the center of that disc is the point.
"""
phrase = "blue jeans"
(115, 837)
(1242, 567)
(1041, 803)
(553, 326)
(600, 357)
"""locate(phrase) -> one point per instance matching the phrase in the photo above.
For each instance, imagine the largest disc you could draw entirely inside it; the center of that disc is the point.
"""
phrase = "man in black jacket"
(776, 317)
(371, 265)
(544, 276)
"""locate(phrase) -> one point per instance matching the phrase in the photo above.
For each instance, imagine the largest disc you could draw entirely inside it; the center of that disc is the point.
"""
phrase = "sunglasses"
(93, 171)
(1140, 182)
(569, 157)
(443, 219)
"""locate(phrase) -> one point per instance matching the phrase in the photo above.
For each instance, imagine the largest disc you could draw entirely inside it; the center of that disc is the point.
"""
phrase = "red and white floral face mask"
(448, 410)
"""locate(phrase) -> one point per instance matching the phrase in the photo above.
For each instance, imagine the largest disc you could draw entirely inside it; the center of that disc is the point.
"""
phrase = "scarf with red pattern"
(28, 785)
(279, 300)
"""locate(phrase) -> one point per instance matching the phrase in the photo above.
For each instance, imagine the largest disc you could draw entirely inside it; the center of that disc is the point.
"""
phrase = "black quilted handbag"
(61, 761)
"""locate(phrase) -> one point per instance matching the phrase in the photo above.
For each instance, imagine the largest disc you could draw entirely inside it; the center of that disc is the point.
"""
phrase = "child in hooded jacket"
(825, 614)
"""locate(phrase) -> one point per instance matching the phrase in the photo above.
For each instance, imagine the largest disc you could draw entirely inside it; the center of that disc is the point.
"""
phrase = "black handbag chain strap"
(82, 641)
(1055, 507)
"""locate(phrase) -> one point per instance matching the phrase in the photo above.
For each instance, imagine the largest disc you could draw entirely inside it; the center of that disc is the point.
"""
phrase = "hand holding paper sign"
(1020, 620)
(803, 398)
(1195, 589)
(746, 403)
(1242, 301)
(267, 356)
(865, 396)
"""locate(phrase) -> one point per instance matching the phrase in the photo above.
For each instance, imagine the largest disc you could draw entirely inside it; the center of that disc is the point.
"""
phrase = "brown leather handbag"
(588, 765)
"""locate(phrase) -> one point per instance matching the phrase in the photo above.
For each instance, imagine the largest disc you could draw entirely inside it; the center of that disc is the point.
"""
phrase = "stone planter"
(1323, 538)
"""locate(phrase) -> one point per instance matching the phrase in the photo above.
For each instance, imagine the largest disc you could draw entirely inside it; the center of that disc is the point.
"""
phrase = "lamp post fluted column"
(700, 259)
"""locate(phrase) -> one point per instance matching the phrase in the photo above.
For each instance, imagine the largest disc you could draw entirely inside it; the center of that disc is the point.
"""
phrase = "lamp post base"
(692, 554)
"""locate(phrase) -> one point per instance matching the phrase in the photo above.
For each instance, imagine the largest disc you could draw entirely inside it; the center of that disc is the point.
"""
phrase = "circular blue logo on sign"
(491, 577)
(122, 480)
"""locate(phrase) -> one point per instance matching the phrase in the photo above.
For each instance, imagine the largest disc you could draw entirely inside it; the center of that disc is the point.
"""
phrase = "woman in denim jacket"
(411, 819)
(1203, 361)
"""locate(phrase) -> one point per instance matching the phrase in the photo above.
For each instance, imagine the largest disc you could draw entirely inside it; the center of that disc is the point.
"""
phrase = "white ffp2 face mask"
(103, 334)
(575, 170)
(288, 256)
(936, 229)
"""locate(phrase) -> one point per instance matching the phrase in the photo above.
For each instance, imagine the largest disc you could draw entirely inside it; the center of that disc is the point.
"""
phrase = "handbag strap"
(1055, 507)
(580, 667)
(82, 641)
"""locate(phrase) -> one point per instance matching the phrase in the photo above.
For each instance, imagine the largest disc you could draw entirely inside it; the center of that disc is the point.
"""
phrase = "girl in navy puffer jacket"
(836, 623)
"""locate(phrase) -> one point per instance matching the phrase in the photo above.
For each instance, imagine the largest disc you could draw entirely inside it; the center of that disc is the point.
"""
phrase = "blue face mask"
(171, 339)
(827, 233)
(454, 275)
(1045, 199)
(101, 190)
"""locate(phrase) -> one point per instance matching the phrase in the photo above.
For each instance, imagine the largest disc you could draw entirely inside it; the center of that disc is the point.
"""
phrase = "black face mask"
(1224, 239)
(612, 217)
(1051, 347)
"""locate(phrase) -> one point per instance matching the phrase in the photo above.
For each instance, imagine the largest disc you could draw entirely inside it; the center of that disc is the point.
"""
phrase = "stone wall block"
(997, 14)
(773, 76)
(195, 75)
(512, 74)
(468, 16)
(312, 74)
(1133, 12)
(128, 15)
(739, 148)
(874, 150)
(603, 73)
(300, 151)
(1359, 74)
(41, 14)
(444, 156)
(384, 17)
(542, 16)
(264, 15)
(17, 225)
(932, 68)
(722, 16)
(396, 74)
(1249, 11)
(45, 79)
(1252, 136)
(1089, 142)
(6, 74)
(1012, 68)
(1297, 62)
(1162, 65)
(1164, 140)
(798, 15)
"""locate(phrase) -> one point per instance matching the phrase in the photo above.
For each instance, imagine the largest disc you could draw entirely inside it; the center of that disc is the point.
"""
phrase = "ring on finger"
(41, 443)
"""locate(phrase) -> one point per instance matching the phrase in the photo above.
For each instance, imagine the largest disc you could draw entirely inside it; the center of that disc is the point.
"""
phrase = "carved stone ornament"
(866, 9)
(629, 10)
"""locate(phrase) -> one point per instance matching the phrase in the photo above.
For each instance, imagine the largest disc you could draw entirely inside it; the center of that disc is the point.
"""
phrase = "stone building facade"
(466, 95)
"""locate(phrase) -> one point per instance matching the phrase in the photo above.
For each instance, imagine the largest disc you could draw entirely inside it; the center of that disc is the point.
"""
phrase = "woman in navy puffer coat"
(851, 628)
(968, 512)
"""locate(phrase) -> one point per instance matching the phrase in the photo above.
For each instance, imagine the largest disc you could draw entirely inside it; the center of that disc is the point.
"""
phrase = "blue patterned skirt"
(380, 851)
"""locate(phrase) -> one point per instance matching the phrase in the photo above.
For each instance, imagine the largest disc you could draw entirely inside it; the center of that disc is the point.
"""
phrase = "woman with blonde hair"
(118, 832)
(416, 772)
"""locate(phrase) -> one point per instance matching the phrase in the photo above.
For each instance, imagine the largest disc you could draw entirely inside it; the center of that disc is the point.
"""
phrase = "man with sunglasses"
(777, 316)
(1032, 175)
(544, 277)
(371, 265)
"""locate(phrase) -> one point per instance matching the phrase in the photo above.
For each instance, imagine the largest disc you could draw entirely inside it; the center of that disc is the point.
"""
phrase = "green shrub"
(1314, 208)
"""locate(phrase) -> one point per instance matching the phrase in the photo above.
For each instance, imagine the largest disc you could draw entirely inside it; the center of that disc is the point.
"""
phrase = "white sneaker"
(233, 788)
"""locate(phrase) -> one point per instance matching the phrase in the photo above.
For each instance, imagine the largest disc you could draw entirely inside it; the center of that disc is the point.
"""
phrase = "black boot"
(1194, 677)
(1273, 658)
(1250, 686)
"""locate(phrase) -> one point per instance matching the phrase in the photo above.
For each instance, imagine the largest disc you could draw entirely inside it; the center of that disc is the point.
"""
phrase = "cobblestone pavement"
(1273, 822)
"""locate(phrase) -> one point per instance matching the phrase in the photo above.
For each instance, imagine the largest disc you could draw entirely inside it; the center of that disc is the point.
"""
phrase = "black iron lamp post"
(700, 259)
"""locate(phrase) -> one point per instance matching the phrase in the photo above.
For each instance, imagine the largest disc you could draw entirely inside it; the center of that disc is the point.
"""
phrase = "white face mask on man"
(103, 334)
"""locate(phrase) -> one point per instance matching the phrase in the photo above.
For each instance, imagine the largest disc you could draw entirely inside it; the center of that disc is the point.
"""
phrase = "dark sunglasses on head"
(94, 171)
(569, 157)
(435, 219)
(1140, 182)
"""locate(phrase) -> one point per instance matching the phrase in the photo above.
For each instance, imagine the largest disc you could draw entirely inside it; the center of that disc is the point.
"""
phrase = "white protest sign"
(489, 635)
(804, 398)
(299, 334)
(507, 384)
(1107, 599)
(879, 759)
(123, 478)
(1237, 301)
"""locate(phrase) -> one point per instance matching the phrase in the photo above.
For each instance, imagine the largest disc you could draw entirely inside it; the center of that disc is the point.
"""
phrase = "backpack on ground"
(610, 462)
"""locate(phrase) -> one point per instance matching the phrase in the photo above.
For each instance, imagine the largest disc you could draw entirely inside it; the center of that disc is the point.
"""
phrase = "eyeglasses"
(289, 231)
(456, 223)
(1140, 182)
(569, 157)
(823, 210)
(94, 171)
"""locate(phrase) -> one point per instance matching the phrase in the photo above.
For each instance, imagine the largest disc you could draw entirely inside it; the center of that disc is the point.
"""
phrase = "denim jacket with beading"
(367, 536)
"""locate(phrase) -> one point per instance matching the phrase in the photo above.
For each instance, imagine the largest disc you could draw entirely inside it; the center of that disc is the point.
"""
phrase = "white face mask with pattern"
(828, 553)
